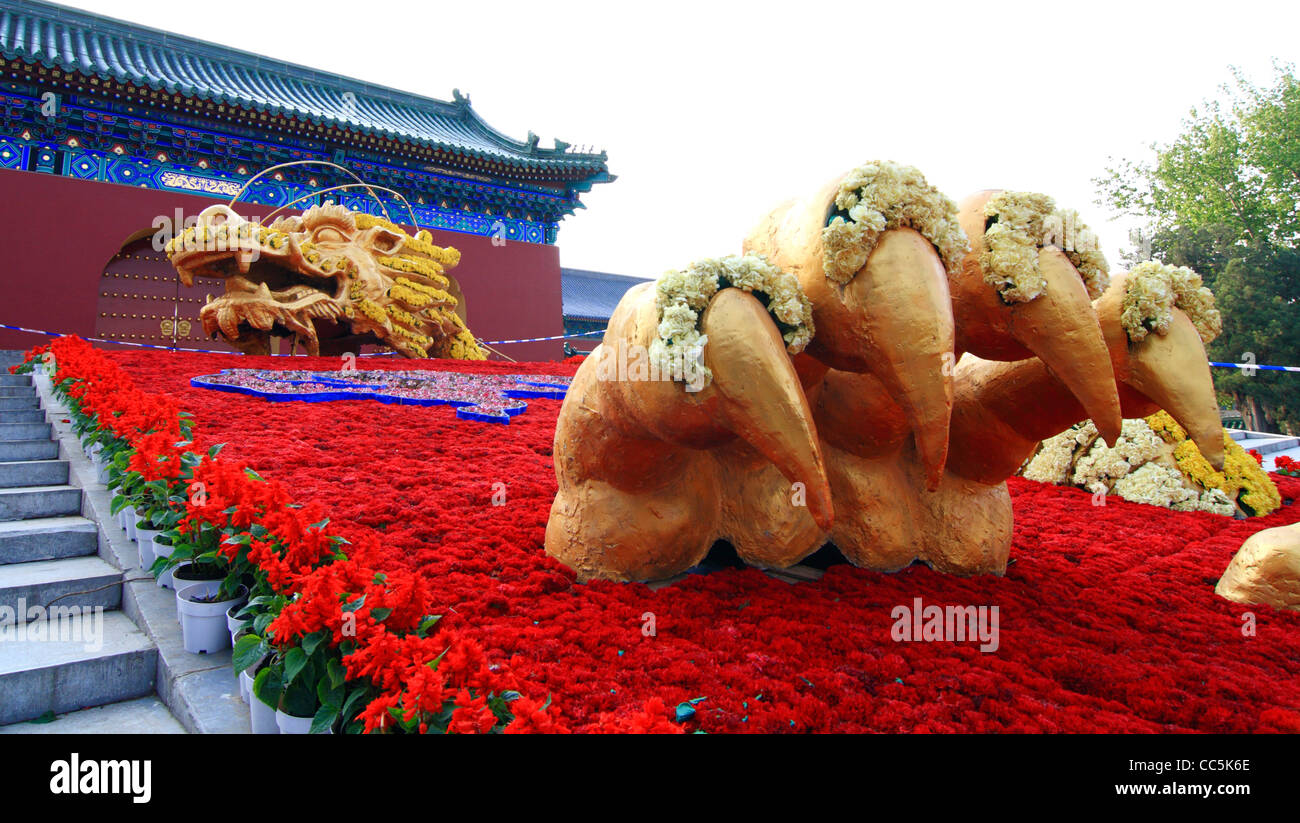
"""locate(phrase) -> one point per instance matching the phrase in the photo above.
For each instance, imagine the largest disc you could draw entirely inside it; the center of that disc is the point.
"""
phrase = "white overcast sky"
(714, 113)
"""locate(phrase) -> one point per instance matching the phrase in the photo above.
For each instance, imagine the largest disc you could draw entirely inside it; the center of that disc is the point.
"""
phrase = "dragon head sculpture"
(329, 275)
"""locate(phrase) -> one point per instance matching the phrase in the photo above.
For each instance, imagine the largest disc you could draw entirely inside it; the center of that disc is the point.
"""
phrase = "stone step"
(31, 502)
(24, 450)
(19, 403)
(143, 715)
(7, 379)
(62, 665)
(22, 416)
(24, 431)
(17, 391)
(47, 538)
(85, 582)
(1269, 445)
(33, 473)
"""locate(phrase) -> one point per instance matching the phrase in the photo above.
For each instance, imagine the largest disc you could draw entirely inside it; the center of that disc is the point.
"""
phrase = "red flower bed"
(1108, 616)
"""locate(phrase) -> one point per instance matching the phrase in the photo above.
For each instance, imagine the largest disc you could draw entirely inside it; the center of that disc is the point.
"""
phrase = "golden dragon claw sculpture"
(946, 342)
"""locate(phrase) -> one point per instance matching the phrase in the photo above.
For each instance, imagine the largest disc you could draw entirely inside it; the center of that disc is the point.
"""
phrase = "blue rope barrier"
(214, 351)
(1246, 366)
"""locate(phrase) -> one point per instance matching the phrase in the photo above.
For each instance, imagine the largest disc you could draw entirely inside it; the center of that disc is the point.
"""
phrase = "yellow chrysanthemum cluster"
(402, 316)
(1022, 222)
(681, 297)
(880, 196)
(463, 346)
(418, 295)
(415, 265)
(372, 310)
(1153, 290)
(421, 243)
(1242, 478)
(414, 338)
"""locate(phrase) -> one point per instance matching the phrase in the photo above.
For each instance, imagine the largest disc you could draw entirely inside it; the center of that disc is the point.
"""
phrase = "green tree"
(1222, 199)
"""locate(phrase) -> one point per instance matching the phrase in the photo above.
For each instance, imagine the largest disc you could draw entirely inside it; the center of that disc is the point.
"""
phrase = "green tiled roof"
(78, 41)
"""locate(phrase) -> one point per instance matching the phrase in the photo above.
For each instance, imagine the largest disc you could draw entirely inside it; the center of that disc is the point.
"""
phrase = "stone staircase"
(1269, 446)
(65, 644)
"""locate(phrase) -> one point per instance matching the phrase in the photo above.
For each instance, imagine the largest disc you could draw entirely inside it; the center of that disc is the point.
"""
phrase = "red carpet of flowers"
(1109, 620)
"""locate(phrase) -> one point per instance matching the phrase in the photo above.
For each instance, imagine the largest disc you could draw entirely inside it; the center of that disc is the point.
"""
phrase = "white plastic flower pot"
(202, 588)
(203, 625)
(294, 725)
(144, 541)
(233, 623)
(163, 550)
(260, 715)
(101, 474)
(246, 690)
(130, 522)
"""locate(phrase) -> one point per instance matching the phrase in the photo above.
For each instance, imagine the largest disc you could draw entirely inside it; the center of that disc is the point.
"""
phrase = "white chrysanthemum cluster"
(1055, 458)
(682, 296)
(1022, 223)
(1101, 467)
(1153, 290)
(1134, 469)
(881, 196)
(1157, 484)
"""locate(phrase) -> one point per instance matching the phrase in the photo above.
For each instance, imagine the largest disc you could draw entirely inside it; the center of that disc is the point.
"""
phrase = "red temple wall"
(57, 235)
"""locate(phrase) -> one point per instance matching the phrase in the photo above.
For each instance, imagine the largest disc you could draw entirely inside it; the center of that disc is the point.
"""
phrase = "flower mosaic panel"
(491, 398)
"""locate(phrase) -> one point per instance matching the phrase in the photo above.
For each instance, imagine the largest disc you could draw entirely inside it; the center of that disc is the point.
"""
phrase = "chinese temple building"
(590, 298)
(110, 131)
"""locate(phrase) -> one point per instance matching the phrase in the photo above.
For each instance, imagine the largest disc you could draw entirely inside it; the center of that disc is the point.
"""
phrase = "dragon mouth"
(270, 300)
(272, 289)
(264, 298)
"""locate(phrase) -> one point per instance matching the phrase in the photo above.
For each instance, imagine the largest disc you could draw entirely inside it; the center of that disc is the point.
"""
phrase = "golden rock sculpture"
(945, 345)
(332, 279)
(1266, 570)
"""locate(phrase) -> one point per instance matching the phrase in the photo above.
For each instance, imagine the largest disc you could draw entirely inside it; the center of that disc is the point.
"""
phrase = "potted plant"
(158, 513)
(162, 552)
(265, 698)
(306, 682)
(203, 613)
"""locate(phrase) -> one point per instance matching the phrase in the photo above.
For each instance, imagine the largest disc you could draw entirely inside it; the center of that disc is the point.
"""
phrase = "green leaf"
(350, 707)
(294, 662)
(249, 650)
(381, 614)
(268, 687)
(355, 604)
(338, 673)
(313, 640)
(324, 718)
(427, 623)
(329, 695)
